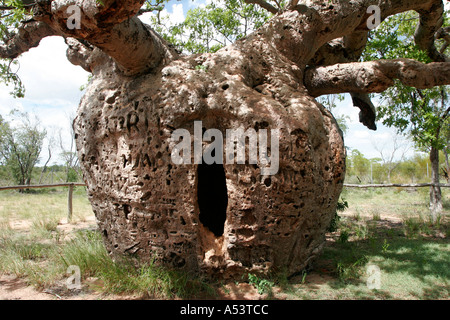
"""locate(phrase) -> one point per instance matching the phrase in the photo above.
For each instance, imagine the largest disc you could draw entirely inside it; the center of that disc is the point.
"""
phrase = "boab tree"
(212, 217)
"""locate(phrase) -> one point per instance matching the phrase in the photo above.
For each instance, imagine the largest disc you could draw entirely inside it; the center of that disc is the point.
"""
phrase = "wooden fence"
(397, 185)
(42, 186)
(72, 185)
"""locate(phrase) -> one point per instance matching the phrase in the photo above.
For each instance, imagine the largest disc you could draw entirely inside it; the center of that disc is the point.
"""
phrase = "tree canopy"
(21, 145)
(24, 23)
(420, 113)
(212, 27)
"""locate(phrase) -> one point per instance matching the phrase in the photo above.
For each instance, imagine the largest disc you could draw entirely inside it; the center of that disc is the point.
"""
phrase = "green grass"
(392, 231)
(45, 266)
(410, 269)
(41, 253)
(43, 204)
(383, 228)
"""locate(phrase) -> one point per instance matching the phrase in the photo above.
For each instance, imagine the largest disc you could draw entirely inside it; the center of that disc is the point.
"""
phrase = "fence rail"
(397, 185)
(42, 186)
(72, 185)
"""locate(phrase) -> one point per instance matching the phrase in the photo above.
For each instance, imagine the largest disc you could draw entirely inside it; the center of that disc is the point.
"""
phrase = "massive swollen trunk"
(220, 219)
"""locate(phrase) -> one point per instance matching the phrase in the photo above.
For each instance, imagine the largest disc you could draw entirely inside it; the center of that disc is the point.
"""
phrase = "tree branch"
(350, 17)
(134, 46)
(113, 27)
(429, 24)
(80, 54)
(368, 114)
(264, 5)
(345, 50)
(349, 46)
(27, 37)
(375, 76)
(101, 13)
(446, 114)
(444, 34)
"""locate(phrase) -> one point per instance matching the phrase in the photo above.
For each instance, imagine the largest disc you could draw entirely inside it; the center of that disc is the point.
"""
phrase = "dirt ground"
(13, 288)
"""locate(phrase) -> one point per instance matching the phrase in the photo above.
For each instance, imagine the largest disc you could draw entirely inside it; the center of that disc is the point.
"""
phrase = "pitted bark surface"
(148, 206)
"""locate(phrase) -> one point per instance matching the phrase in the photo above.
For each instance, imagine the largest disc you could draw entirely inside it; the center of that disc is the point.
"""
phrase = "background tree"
(415, 168)
(330, 102)
(12, 13)
(50, 146)
(359, 165)
(421, 114)
(391, 157)
(446, 151)
(21, 145)
(212, 27)
(69, 154)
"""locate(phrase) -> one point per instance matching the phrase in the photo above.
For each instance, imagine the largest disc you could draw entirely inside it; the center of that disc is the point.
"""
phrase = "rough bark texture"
(148, 206)
(231, 219)
(375, 76)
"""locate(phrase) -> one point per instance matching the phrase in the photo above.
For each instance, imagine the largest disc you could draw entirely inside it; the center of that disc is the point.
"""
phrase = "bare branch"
(444, 34)
(79, 54)
(341, 50)
(375, 76)
(264, 5)
(367, 115)
(430, 22)
(135, 47)
(105, 12)
(114, 28)
(292, 3)
(350, 17)
(28, 36)
(349, 46)
(344, 50)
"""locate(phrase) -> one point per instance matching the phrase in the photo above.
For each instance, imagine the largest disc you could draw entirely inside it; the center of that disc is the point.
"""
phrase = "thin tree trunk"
(435, 191)
(447, 164)
(44, 169)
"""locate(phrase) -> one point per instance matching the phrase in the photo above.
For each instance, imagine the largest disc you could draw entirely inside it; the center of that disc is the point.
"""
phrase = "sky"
(53, 91)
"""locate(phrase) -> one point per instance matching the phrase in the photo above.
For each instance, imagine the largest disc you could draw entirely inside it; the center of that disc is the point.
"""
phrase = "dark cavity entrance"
(212, 197)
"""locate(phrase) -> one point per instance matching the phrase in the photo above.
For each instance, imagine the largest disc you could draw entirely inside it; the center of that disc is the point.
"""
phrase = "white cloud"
(198, 3)
(47, 74)
(175, 15)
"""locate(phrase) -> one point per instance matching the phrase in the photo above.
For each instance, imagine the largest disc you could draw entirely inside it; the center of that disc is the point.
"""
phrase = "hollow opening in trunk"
(212, 197)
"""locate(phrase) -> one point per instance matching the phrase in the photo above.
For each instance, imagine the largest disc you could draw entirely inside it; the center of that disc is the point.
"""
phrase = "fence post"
(69, 203)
